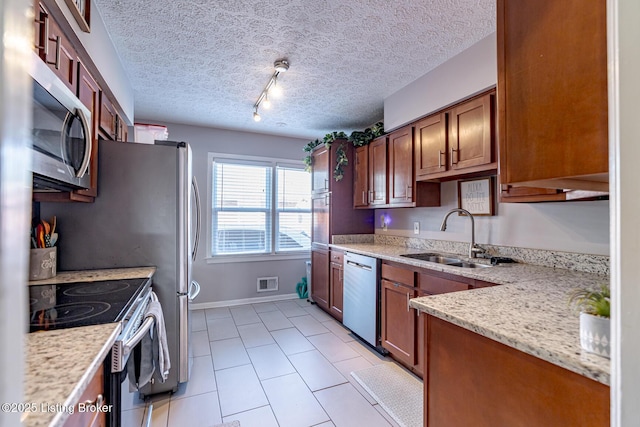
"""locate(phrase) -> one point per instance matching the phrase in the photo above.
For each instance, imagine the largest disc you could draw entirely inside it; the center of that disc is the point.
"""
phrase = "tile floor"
(285, 364)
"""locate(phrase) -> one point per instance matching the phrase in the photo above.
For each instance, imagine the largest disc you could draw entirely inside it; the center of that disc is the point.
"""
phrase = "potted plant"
(594, 307)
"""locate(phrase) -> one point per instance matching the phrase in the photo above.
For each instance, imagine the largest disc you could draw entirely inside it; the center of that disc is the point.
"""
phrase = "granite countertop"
(97, 275)
(59, 366)
(529, 312)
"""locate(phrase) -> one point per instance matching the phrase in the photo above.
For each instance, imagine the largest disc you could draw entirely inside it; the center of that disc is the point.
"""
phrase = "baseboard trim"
(243, 301)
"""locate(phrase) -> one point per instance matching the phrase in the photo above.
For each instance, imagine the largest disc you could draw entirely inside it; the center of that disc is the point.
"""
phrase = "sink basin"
(439, 259)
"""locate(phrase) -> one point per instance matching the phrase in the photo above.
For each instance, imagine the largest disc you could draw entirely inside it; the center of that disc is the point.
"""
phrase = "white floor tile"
(228, 353)
(244, 315)
(259, 417)
(367, 352)
(202, 410)
(221, 329)
(202, 379)
(198, 321)
(269, 361)
(217, 313)
(132, 418)
(292, 402)
(308, 325)
(316, 371)
(255, 335)
(319, 314)
(343, 401)
(327, 424)
(200, 343)
(290, 308)
(239, 390)
(303, 302)
(160, 414)
(332, 347)
(275, 320)
(291, 341)
(347, 366)
(339, 330)
(264, 307)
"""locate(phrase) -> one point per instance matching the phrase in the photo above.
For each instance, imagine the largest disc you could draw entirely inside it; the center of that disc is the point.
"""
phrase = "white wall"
(223, 282)
(581, 227)
(471, 71)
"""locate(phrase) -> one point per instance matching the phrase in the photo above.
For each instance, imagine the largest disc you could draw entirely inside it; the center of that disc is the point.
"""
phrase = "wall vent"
(266, 284)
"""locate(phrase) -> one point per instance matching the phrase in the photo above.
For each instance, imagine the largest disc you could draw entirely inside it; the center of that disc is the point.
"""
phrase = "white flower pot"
(595, 335)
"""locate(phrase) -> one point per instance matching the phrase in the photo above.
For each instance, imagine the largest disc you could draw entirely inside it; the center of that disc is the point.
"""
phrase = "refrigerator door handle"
(196, 193)
(194, 291)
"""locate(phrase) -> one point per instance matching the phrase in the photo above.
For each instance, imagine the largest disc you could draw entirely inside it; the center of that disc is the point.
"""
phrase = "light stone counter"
(529, 312)
(59, 366)
(97, 275)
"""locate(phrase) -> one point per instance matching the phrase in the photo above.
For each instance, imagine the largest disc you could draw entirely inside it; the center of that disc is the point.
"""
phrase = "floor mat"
(397, 391)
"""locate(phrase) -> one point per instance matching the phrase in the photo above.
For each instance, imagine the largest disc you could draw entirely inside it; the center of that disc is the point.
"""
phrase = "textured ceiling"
(205, 62)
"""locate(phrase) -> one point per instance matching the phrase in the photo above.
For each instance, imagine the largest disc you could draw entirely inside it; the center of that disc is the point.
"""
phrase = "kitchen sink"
(439, 259)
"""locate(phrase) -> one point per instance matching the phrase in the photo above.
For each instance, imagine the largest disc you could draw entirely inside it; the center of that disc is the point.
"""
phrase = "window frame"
(274, 163)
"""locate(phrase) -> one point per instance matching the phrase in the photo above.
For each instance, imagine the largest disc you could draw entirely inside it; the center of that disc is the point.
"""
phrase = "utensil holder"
(42, 263)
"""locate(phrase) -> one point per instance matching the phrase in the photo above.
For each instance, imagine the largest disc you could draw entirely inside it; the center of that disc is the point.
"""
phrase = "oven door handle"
(148, 323)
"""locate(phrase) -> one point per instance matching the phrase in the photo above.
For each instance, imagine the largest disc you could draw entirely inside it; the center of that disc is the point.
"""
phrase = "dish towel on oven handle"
(151, 356)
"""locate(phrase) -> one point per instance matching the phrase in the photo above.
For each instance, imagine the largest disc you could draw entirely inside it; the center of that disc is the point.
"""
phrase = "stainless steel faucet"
(474, 249)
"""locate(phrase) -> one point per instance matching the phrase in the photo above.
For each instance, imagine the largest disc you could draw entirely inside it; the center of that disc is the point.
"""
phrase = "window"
(259, 207)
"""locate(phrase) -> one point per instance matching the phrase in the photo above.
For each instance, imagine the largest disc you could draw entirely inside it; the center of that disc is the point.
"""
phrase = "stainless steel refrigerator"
(146, 214)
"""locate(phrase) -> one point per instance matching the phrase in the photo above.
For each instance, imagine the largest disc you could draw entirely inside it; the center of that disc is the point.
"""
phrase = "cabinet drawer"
(398, 274)
(93, 394)
(337, 257)
(439, 285)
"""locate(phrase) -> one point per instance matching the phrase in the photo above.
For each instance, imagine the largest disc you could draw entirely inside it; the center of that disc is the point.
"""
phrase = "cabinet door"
(378, 171)
(61, 56)
(107, 117)
(401, 181)
(398, 323)
(552, 88)
(336, 283)
(89, 95)
(94, 393)
(320, 278)
(320, 210)
(320, 170)
(430, 136)
(471, 133)
(361, 177)
(41, 16)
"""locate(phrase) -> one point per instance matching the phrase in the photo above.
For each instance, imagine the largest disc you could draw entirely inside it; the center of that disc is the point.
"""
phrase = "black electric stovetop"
(69, 305)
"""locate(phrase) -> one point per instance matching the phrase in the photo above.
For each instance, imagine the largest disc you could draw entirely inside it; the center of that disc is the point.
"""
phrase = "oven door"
(61, 148)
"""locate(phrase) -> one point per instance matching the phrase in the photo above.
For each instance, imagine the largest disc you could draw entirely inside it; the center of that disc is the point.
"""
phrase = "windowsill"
(224, 259)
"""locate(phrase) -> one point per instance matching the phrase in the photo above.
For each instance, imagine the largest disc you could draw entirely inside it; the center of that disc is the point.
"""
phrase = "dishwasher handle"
(358, 265)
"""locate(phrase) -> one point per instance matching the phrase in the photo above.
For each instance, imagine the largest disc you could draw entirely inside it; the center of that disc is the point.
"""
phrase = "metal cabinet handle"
(452, 150)
(326, 200)
(408, 308)
(440, 154)
(326, 184)
(372, 194)
(363, 198)
(56, 63)
(409, 195)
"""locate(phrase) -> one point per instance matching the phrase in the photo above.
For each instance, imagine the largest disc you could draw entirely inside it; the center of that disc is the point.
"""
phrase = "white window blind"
(259, 208)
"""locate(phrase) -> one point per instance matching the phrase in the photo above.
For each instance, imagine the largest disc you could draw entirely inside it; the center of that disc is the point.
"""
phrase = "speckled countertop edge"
(97, 275)
(59, 366)
(529, 313)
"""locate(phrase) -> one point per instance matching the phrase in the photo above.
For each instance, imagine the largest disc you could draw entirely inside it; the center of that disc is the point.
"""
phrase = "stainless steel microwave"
(61, 148)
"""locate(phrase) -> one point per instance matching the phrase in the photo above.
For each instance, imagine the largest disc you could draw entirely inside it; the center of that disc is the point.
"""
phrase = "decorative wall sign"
(477, 196)
(81, 10)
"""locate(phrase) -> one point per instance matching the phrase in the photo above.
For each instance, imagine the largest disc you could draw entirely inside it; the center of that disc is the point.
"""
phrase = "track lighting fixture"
(271, 88)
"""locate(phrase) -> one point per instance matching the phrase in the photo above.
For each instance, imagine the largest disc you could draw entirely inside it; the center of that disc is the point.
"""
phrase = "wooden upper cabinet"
(361, 177)
(320, 170)
(89, 95)
(457, 143)
(471, 133)
(108, 117)
(401, 180)
(430, 136)
(378, 171)
(552, 93)
(61, 57)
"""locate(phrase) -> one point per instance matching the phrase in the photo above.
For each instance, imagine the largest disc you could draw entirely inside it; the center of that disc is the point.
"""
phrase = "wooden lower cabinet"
(336, 284)
(472, 380)
(320, 277)
(398, 322)
(93, 412)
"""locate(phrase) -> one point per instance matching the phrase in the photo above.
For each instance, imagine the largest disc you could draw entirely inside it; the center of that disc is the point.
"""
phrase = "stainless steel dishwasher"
(360, 309)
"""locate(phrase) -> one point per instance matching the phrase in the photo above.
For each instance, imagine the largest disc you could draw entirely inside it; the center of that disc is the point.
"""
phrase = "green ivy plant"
(357, 138)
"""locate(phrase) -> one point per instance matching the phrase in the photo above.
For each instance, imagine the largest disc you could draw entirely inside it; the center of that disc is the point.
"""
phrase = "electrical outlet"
(383, 223)
(416, 227)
